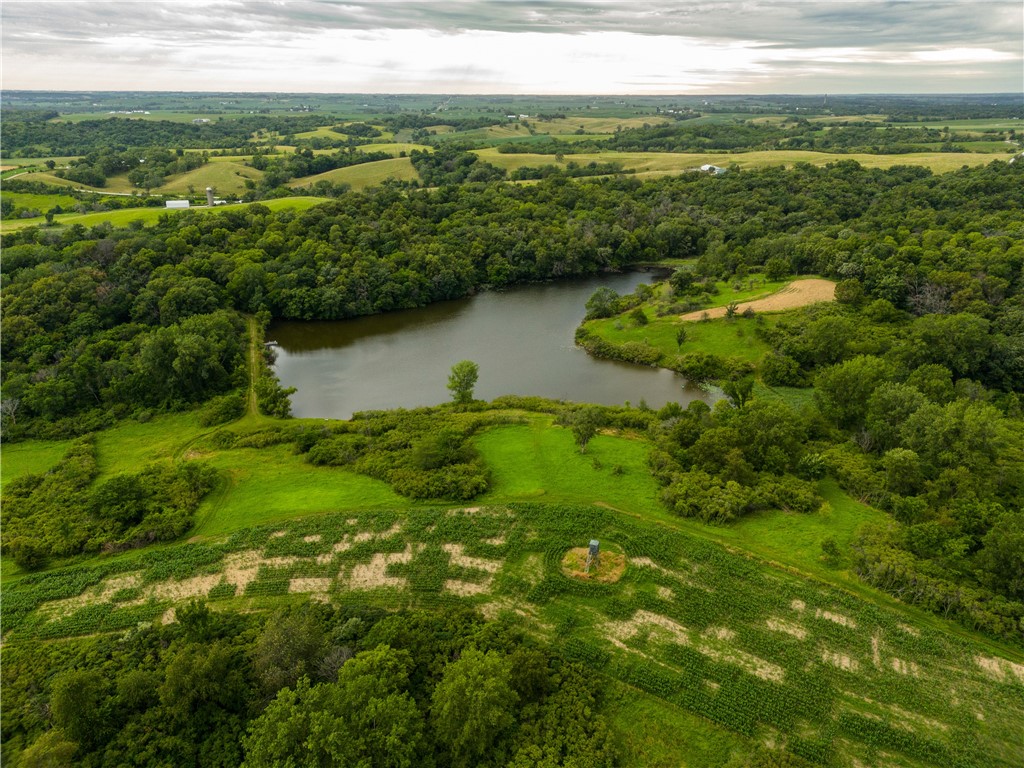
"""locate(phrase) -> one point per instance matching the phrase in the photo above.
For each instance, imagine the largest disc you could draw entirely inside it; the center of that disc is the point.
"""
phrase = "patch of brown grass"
(611, 566)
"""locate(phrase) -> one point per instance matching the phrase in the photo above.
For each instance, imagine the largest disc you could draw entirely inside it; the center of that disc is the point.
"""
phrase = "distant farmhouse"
(714, 169)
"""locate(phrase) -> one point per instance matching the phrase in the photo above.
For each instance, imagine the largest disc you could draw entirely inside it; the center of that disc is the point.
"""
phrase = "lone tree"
(680, 337)
(584, 426)
(461, 381)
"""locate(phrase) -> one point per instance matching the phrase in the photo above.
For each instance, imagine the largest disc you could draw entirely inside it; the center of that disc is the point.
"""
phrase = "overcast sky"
(506, 46)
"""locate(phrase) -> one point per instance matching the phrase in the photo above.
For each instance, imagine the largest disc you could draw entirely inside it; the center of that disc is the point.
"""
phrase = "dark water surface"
(521, 338)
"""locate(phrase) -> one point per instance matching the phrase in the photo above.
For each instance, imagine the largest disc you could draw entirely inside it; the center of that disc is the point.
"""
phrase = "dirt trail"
(255, 350)
(799, 293)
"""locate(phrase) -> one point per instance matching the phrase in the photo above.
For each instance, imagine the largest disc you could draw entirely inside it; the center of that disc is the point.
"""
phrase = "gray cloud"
(161, 33)
(789, 23)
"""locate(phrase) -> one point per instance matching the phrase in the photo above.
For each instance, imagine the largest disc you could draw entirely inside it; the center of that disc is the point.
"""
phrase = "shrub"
(778, 370)
(223, 409)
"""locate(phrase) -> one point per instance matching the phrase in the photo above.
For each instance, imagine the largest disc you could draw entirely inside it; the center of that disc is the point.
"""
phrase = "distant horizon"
(522, 95)
(525, 47)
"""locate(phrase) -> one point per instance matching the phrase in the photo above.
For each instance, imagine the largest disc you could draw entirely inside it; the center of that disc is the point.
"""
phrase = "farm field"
(41, 203)
(593, 125)
(364, 175)
(226, 177)
(781, 657)
(655, 163)
(115, 184)
(395, 148)
(125, 216)
(726, 338)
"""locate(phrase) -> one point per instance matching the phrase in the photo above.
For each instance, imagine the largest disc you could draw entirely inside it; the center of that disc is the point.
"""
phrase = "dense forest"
(307, 685)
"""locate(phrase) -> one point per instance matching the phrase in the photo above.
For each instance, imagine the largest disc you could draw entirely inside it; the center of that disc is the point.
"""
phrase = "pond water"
(522, 339)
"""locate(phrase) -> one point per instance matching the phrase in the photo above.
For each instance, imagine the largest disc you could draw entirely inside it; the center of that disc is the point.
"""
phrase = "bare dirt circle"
(799, 293)
(611, 565)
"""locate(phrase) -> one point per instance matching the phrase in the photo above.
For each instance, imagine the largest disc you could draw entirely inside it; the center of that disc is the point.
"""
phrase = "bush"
(223, 409)
(337, 451)
(779, 370)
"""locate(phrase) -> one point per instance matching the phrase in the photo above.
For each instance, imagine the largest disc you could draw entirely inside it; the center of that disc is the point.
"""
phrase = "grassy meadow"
(364, 175)
(659, 163)
(150, 216)
(226, 177)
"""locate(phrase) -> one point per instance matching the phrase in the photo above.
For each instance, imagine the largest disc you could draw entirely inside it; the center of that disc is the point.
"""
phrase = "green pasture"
(540, 462)
(115, 184)
(226, 158)
(148, 216)
(394, 148)
(827, 119)
(655, 163)
(653, 733)
(30, 457)
(268, 485)
(23, 162)
(725, 338)
(41, 203)
(364, 175)
(227, 178)
(323, 132)
(981, 125)
(592, 125)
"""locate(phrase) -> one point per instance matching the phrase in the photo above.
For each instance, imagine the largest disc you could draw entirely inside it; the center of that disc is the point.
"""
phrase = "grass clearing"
(541, 462)
(797, 294)
(227, 178)
(30, 457)
(41, 203)
(131, 444)
(273, 484)
(654, 734)
(726, 338)
(364, 175)
(323, 132)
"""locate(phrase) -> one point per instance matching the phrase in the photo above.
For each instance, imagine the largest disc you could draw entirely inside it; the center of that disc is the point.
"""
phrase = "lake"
(522, 339)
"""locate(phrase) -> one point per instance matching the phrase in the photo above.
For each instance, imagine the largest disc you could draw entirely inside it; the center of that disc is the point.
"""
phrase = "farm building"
(715, 169)
(177, 204)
